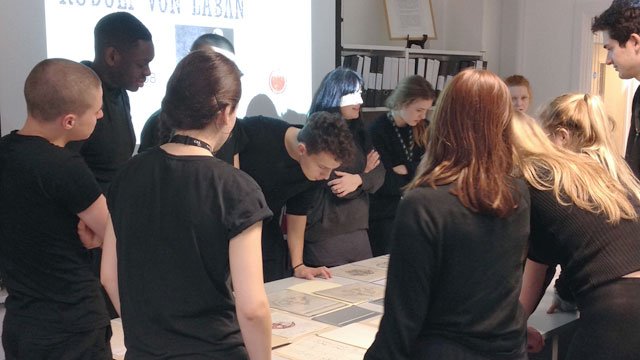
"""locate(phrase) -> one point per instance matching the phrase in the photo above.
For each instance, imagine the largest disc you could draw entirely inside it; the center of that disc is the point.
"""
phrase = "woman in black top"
(398, 136)
(585, 203)
(460, 236)
(336, 230)
(184, 221)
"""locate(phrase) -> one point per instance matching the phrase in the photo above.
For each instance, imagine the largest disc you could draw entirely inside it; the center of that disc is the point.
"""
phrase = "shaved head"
(56, 87)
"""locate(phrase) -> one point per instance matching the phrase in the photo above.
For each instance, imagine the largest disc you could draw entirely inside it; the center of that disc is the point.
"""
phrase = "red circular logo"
(277, 81)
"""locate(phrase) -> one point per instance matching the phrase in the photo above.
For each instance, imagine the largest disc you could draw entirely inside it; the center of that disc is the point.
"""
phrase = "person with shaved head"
(51, 211)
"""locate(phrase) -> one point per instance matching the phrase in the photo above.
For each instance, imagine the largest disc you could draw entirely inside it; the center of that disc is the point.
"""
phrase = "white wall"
(540, 39)
(16, 59)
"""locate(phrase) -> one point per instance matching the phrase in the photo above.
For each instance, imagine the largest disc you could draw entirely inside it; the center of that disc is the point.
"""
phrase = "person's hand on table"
(309, 273)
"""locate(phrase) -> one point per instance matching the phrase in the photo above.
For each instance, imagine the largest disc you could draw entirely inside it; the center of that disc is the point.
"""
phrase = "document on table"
(346, 316)
(301, 303)
(311, 286)
(290, 326)
(354, 293)
(380, 262)
(358, 272)
(356, 334)
(317, 348)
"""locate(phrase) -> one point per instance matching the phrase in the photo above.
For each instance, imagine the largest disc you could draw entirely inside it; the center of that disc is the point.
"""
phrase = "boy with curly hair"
(288, 162)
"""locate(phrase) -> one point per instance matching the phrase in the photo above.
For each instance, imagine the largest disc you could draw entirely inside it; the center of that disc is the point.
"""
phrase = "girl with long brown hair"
(460, 236)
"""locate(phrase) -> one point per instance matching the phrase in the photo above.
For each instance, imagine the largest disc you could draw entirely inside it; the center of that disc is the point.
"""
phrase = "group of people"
(474, 207)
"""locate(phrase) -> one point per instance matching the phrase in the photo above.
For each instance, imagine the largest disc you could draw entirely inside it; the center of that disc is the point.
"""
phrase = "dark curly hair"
(620, 20)
(203, 84)
(328, 132)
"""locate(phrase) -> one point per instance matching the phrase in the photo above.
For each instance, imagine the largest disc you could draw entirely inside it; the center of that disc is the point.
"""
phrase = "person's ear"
(68, 121)
(302, 148)
(564, 136)
(634, 40)
(225, 116)
(111, 56)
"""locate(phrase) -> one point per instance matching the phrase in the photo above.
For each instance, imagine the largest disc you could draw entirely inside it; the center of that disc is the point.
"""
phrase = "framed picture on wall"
(410, 18)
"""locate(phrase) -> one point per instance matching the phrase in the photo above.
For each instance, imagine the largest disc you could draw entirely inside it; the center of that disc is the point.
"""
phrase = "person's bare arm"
(295, 240)
(532, 285)
(252, 306)
(109, 266)
(93, 223)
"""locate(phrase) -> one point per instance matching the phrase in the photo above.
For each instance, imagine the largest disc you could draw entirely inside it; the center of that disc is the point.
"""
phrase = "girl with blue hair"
(336, 231)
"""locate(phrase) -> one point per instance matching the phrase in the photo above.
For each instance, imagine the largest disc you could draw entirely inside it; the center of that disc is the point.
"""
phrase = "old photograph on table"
(291, 326)
(379, 262)
(301, 303)
(355, 293)
(317, 348)
(358, 272)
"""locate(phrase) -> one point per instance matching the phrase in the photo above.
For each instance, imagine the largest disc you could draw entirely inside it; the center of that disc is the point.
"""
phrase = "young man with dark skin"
(123, 51)
(51, 211)
(620, 26)
(288, 164)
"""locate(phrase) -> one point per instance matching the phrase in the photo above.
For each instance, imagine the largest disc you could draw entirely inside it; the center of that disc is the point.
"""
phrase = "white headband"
(231, 56)
(354, 98)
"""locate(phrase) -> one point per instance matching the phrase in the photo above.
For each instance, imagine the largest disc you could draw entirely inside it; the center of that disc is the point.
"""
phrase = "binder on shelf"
(360, 64)
(366, 70)
(422, 64)
(428, 74)
(378, 90)
(442, 75)
(402, 68)
(412, 67)
(434, 75)
(370, 93)
(395, 72)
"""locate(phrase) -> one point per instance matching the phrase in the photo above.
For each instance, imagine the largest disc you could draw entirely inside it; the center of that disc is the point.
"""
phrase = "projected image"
(187, 34)
(272, 47)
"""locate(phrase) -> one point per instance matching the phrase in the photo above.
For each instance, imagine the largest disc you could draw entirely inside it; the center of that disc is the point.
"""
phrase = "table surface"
(310, 344)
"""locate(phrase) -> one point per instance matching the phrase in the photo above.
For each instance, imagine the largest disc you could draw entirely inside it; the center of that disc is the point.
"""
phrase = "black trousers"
(609, 324)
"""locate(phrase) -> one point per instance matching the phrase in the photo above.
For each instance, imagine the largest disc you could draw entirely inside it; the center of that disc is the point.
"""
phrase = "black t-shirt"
(455, 274)
(266, 159)
(112, 142)
(151, 136)
(174, 217)
(46, 268)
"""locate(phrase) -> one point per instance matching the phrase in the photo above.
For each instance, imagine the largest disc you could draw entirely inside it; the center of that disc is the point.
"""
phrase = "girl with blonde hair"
(584, 219)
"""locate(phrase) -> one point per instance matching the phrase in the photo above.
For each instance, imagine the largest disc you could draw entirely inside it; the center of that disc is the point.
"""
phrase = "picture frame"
(410, 19)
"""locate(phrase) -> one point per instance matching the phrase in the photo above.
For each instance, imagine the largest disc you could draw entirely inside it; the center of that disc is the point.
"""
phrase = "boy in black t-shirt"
(286, 161)
(51, 211)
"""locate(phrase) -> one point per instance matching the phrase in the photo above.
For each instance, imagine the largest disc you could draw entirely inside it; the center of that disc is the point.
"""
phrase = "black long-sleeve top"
(332, 215)
(590, 250)
(384, 138)
(454, 274)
